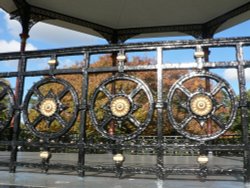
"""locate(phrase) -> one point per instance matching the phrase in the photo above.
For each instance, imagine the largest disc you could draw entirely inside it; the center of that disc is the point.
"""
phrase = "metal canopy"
(118, 20)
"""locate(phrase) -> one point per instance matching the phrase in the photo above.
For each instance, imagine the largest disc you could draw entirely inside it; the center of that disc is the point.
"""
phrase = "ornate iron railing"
(200, 104)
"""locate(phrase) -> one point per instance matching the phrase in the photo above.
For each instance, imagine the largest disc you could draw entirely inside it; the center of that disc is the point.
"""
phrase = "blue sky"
(41, 37)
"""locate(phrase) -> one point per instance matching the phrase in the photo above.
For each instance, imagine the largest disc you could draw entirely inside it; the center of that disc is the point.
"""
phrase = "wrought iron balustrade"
(200, 105)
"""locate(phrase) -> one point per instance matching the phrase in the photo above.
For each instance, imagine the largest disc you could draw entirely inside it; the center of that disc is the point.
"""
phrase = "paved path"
(23, 177)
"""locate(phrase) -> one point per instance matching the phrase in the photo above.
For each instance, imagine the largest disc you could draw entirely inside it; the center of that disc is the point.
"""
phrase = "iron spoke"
(217, 88)
(218, 121)
(106, 92)
(63, 93)
(38, 93)
(180, 103)
(135, 91)
(105, 121)
(133, 120)
(184, 89)
(218, 106)
(186, 121)
(60, 120)
(37, 121)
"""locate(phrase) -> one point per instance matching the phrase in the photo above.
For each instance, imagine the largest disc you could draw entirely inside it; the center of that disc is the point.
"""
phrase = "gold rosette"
(48, 107)
(120, 106)
(201, 105)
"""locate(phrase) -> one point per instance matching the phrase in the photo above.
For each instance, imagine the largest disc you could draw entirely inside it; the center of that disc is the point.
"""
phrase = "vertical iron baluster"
(83, 116)
(243, 108)
(17, 117)
(159, 106)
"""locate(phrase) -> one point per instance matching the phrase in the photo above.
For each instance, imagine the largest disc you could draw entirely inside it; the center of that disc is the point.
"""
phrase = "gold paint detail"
(48, 107)
(52, 62)
(199, 54)
(120, 106)
(201, 105)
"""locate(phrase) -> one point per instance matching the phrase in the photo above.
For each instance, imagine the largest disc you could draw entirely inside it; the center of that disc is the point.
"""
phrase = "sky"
(41, 37)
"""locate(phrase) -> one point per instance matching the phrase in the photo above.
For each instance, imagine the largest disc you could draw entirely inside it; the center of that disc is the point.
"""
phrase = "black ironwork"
(50, 107)
(202, 105)
(199, 30)
(83, 115)
(121, 106)
(244, 109)
(46, 100)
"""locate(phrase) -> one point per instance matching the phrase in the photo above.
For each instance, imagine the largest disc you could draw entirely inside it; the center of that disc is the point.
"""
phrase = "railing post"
(244, 111)
(83, 116)
(159, 107)
(17, 118)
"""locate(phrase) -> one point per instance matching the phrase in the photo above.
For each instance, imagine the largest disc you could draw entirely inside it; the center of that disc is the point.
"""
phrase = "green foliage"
(237, 126)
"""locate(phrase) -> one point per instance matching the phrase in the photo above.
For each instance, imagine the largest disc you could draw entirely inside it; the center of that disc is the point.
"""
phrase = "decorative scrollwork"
(50, 108)
(121, 107)
(7, 104)
(201, 106)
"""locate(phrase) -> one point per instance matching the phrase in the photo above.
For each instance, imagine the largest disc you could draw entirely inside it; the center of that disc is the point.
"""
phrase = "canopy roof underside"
(117, 20)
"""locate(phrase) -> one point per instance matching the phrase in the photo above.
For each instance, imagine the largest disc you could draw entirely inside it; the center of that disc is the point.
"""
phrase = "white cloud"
(67, 62)
(231, 74)
(50, 34)
(13, 26)
(13, 46)
(247, 74)
(61, 36)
